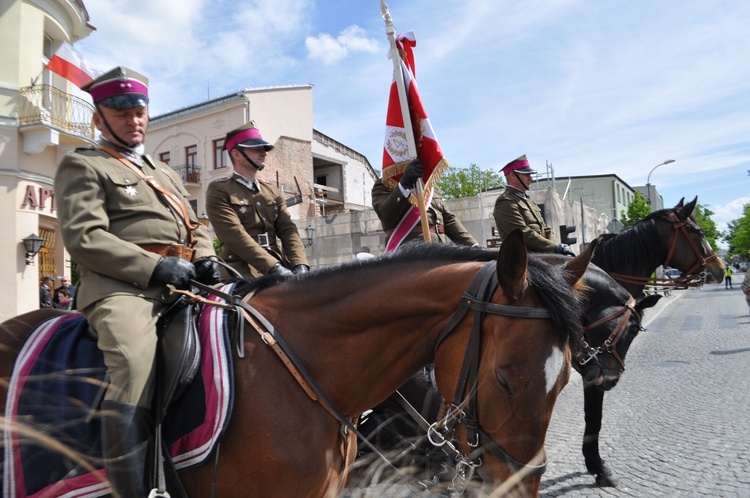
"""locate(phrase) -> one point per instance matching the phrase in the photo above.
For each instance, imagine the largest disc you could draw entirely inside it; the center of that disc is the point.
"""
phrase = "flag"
(395, 149)
(69, 64)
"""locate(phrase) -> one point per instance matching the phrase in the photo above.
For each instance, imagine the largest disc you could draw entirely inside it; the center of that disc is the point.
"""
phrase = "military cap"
(246, 136)
(521, 165)
(120, 88)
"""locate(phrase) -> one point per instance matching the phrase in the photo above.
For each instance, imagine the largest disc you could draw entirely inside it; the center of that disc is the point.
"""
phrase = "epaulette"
(88, 148)
(222, 180)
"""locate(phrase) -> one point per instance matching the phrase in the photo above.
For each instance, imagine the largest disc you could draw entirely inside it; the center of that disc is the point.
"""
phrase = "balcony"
(190, 173)
(50, 116)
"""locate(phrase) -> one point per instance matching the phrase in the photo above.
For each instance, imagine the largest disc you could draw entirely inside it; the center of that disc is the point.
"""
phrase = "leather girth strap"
(172, 200)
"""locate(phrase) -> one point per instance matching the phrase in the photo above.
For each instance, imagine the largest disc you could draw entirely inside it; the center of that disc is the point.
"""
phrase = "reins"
(692, 278)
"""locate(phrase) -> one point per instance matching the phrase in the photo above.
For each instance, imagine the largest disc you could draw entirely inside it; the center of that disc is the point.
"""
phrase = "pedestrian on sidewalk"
(746, 288)
(728, 277)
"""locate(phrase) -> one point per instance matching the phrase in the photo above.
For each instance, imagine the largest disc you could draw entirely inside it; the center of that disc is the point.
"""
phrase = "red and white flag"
(395, 150)
(69, 64)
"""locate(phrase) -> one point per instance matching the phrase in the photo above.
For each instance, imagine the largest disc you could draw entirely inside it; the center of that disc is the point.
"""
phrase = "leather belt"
(177, 250)
(438, 229)
(264, 239)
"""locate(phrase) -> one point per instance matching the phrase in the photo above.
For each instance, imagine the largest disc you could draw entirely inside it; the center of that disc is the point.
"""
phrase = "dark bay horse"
(668, 237)
(385, 319)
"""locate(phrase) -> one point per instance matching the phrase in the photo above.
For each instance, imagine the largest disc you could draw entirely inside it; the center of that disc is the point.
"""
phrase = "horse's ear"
(576, 267)
(512, 262)
(647, 302)
(687, 210)
(681, 203)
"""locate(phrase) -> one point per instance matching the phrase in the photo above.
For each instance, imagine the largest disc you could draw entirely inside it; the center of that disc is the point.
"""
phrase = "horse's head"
(518, 343)
(613, 319)
(686, 244)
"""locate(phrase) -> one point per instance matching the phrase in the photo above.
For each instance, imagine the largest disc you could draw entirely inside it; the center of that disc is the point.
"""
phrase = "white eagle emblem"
(131, 191)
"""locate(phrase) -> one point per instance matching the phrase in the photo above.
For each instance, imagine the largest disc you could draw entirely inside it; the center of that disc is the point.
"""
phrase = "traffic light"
(565, 231)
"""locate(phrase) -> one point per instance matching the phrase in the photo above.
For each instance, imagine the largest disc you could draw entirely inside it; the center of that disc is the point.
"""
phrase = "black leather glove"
(412, 173)
(300, 269)
(207, 272)
(175, 271)
(564, 249)
(279, 269)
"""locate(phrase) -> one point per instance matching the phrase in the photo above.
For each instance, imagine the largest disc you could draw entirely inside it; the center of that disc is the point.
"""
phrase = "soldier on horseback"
(125, 220)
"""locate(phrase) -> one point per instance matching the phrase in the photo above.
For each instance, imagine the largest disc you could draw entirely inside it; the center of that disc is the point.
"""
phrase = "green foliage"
(457, 183)
(703, 217)
(217, 245)
(738, 235)
(637, 210)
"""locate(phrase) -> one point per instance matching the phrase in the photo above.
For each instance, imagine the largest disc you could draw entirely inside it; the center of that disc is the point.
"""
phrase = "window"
(220, 159)
(165, 157)
(194, 205)
(191, 164)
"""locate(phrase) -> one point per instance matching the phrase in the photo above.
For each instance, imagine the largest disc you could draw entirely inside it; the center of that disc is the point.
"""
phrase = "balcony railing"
(53, 107)
(190, 173)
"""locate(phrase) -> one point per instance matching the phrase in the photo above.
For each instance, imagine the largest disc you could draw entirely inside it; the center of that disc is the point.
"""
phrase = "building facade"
(40, 120)
(607, 194)
(317, 174)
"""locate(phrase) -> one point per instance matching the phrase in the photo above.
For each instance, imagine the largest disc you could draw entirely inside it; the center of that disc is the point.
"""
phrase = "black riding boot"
(126, 429)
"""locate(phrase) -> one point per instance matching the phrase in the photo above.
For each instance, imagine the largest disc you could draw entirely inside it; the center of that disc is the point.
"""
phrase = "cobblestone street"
(677, 424)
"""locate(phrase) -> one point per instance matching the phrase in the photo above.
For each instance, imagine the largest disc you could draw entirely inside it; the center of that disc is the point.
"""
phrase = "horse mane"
(631, 246)
(550, 287)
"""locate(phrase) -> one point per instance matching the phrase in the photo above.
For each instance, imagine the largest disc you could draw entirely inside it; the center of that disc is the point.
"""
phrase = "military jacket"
(514, 210)
(391, 206)
(244, 220)
(106, 212)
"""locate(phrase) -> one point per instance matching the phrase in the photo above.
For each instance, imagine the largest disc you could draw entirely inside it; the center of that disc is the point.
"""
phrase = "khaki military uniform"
(106, 212)
(513, 209)
(391, 206)
(251, 225)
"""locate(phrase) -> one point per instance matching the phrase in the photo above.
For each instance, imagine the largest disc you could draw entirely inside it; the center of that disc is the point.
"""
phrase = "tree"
(637, 210)
(456, 183)
(703, 218)
(738, 234)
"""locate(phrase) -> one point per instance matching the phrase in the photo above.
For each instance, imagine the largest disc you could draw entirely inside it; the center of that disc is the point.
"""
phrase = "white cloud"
(330, 50)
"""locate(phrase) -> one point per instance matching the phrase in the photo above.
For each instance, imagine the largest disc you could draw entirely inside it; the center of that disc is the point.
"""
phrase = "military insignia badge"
(131, 191)
(243, 210)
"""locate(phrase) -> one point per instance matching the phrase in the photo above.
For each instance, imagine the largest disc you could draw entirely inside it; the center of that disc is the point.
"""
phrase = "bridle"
(691, 278)
(609, 345)
(463, 409)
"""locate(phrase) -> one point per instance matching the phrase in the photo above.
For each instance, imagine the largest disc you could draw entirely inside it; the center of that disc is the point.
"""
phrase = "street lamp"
(648, 179)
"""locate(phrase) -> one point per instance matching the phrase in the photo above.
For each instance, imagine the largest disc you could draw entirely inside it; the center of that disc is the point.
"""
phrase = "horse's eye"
(500, 378)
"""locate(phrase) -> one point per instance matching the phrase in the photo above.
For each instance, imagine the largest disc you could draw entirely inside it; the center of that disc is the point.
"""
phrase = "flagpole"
(390, 31)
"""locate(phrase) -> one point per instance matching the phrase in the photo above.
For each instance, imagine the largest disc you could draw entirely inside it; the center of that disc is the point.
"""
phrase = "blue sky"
(590, 87)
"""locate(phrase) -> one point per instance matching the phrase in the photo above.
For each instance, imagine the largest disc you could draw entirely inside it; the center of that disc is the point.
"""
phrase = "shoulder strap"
(172, 200)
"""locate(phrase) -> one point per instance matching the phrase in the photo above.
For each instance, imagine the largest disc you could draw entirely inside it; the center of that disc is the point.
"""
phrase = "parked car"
(672, 273)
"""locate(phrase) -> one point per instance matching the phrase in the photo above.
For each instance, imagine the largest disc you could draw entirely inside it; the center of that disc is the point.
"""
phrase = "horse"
(512, 324)
(668, 237)
(612, 319)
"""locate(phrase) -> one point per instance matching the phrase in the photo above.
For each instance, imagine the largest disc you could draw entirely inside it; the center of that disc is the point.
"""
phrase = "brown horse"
(385, 319)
